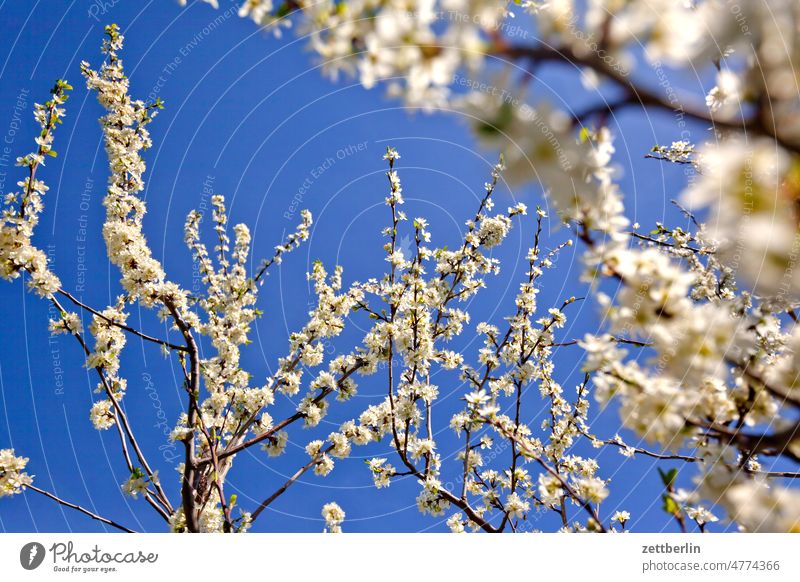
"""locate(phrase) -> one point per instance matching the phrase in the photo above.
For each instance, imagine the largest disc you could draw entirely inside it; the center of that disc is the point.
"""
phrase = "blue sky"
(251, 117)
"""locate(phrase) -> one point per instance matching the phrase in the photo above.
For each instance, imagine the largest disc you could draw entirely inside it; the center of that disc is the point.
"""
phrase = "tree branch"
(289, 482)
(122, 326)
(637, 94)
(79, 508)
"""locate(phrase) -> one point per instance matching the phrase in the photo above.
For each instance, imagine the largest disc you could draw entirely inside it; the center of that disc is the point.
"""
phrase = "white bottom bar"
(400, 557)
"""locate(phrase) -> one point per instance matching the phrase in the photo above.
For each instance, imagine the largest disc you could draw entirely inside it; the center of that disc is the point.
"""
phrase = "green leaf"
(668, 478)
(670, 506)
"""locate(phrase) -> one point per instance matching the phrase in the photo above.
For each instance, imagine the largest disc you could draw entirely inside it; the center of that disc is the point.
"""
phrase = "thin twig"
(122, 326)
(83, 510)
(289, 482)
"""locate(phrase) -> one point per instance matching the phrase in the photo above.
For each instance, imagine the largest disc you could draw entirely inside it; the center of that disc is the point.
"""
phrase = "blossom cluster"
(21, 210)
(699, 348)
(417, 47)
(423, 293)
(334, 516)
(12, 478)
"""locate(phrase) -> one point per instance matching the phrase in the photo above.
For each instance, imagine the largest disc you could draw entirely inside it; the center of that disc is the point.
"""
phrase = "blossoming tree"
(699, 347)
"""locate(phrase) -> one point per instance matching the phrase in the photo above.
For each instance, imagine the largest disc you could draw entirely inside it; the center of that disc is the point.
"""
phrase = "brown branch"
(592, 511)
(190, 463)
(122, 419)
(637, 94)
(122, 326)
(645, 452)
(79, 508)
(775, 443)
(283, 424)
(289, 482)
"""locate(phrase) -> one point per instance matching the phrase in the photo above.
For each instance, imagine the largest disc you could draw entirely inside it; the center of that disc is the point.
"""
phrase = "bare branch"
(81, 509)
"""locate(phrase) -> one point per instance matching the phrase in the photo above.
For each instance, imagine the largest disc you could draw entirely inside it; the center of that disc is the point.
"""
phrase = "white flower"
(101, 414)
(600, 352)
(591, 489)
(550, 490)
(276, 444)
(456, 523)
(391, 154)
(137, 483)
(701, 515)
(429, 500)
(759, 507)
(12, 478)
(493, 231)
(724, 97)
(69, 323)
(621, 517)
(334, 516)
(382, 472)
(477, 398)
(515, 506)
